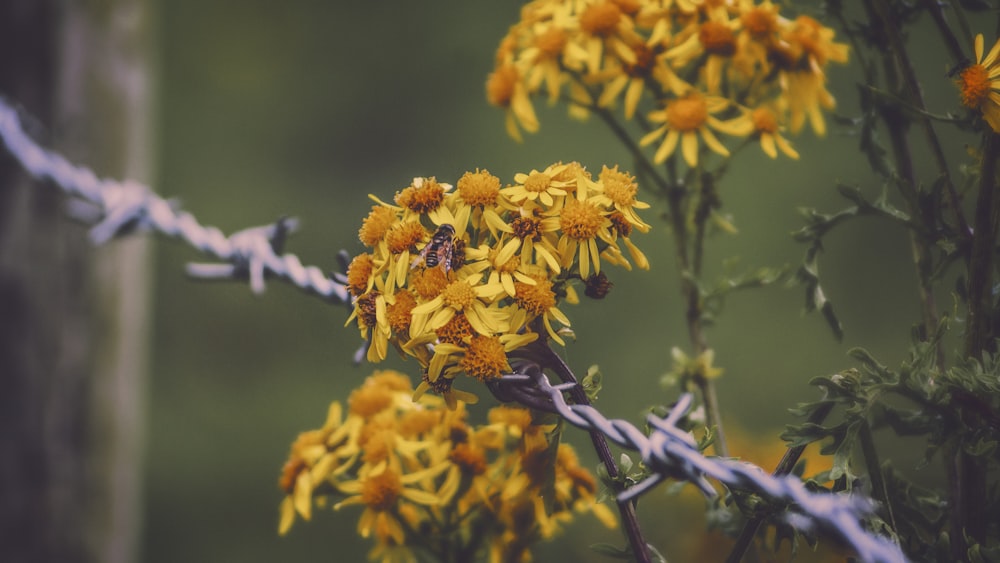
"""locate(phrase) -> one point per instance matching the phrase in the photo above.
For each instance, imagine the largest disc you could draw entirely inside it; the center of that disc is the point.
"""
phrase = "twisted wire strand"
(669, 452)
(124, 206)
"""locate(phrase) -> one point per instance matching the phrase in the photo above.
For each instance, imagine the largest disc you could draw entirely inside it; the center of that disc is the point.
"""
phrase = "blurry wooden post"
(73, 318)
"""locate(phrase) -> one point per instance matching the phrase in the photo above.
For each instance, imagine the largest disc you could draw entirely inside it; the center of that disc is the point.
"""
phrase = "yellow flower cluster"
(459, 278)
(735, 67)
(431, 482)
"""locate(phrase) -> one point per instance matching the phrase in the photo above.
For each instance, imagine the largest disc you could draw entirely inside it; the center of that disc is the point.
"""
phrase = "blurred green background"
(305, 107)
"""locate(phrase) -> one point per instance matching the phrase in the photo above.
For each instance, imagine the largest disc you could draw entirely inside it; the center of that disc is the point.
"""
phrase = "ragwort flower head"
(417, 469)
(461, 279)
(979, 84)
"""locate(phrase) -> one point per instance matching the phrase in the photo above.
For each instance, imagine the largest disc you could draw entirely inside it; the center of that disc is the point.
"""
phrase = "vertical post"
(72, 318)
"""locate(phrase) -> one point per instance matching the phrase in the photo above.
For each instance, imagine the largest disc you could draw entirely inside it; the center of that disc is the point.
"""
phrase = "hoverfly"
(440, 250)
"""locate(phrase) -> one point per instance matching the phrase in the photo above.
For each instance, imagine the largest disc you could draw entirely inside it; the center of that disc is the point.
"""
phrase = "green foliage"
(952, 410)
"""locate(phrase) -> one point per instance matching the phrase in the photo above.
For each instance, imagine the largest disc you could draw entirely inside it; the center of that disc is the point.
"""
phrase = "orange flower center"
(415, 423)
(580, 220)
(527, 227)
(975, 86)
(808, 34)
(391, 380)
(485, 358)
(620, 187)
(369, 400)
(764, 120)
(366, 309)
(455, 330)
(717, 38)
(378, 446)
(687, 114)
(470, 459)
(600, 19)
(428, 283)
(404, 236)
(535, 299)
(551, 42)
(427, 196)
(500, 85)
(537, 182)
(379, 492)
(760, 22)
(359, 272)
(374, 227)
(459, 295)
(478, 188)
(400, 313)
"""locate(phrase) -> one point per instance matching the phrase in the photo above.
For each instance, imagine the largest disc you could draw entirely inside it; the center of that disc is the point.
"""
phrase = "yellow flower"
(805, 48)
(685, 119)
(545, 53)
(505, 89)
(467, 295)
(979, 84)
(602, 23)
(766, 125)
(806, 96)
(582, 223)
(631, 75)
(381, 494)
(541, 186)
(315, 456)
(538, 300)
(618, 190)
(423, 196)
(716, 40)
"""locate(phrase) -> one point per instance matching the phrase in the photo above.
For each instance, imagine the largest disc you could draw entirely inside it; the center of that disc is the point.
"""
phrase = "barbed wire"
(671, 453)
(121, 207)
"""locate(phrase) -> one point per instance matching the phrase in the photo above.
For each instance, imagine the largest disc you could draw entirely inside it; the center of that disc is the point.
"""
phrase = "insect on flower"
(439, 250)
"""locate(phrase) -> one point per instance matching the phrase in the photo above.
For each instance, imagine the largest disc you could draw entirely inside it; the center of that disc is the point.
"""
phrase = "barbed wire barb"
(122, 207)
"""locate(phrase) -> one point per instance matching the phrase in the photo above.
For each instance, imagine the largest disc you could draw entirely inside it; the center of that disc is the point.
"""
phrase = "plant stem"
(784, 467)
(879, 489)
(630, 521)
(689, 263)
(707, 200)
(967, 473)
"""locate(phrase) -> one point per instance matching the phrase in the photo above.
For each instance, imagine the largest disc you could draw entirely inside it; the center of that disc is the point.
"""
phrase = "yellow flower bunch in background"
(459, 278)
(429, 481)
(701, 67)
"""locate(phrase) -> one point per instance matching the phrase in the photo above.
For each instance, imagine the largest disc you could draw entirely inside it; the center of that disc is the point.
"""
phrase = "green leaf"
(592, 382)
